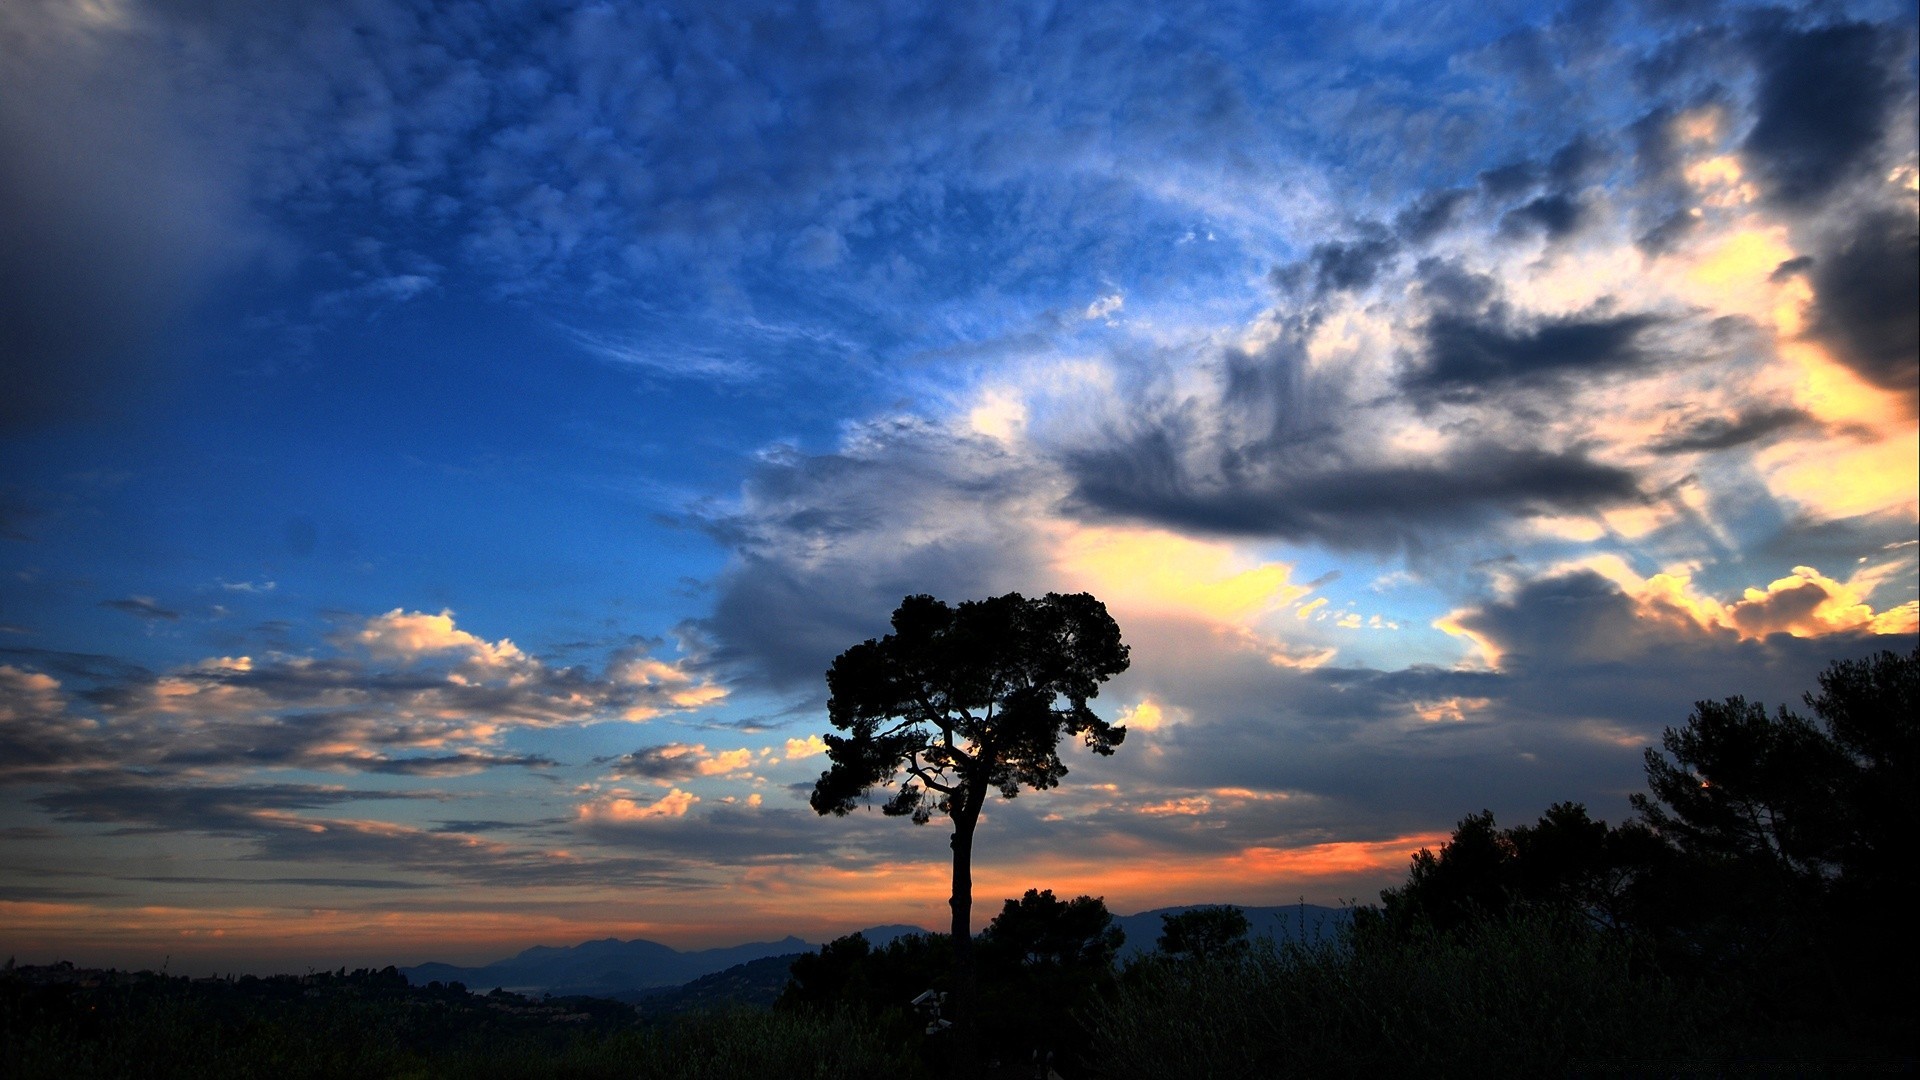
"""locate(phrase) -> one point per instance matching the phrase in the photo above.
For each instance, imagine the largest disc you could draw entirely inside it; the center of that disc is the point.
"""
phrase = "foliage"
(1206, 933)
(1043, 961)
(1793, 841)
(62, 1023)
(1770, 859)
(964, 699)
(1538, 995)
(1038, 932)
(1565, 862)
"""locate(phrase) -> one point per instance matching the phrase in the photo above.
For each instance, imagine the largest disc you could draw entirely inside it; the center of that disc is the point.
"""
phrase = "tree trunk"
(966, 1057)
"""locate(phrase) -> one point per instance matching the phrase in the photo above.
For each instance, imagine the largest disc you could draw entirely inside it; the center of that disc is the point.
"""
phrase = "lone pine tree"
(961, 700)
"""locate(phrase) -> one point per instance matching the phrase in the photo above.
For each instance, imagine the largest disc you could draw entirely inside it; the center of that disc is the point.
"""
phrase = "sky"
(445, 444)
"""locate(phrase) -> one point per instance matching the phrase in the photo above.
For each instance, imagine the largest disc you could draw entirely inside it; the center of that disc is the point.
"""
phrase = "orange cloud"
(1805, 604)
(404, 635)
(799, 749)
(623, 811)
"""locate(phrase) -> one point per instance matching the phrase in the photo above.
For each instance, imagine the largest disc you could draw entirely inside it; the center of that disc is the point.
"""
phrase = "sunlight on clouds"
(1449, 710)
(1186, 806)
(1486, 652)
(799, 749)
(727, 761)
(1150, 715)
(1579, 529)
(618, 810)
(404, 635)
(1721, 181)
(1839, 479)
(1150, 570)
(25, 692)
(1804, 604)
(1145, 716)
(671, 683)
(1001, 414)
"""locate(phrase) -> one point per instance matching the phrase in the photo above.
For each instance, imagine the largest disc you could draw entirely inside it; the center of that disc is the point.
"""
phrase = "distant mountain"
(605, 968)
(641, 970)
(880, 936)
(758, 982)
(1295, 922)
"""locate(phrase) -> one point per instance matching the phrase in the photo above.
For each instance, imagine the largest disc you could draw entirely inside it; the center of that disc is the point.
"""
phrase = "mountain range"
(610, 967)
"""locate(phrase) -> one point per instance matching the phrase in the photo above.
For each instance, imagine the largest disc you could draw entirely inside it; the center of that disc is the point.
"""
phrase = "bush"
(1529, 996)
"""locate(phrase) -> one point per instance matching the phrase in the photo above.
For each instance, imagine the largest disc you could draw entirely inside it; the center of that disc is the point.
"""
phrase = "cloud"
(1466, 356)
(1350, 265)
(1709, 433)
(623, 811)
(1605, 614)
(1823, 99)
(404, 635)
(405, 694)
(1357, 505)
(1864, 287)
(681, 761)
(818, 539)
(801, 749)
(144, 607)
(279, 823)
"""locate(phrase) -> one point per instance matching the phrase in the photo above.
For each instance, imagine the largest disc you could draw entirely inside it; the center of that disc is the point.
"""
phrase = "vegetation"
(962, 701)
(64, 1023)
(1747, 920)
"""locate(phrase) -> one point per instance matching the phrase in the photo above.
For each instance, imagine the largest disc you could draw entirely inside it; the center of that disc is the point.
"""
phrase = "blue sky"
(445, 444)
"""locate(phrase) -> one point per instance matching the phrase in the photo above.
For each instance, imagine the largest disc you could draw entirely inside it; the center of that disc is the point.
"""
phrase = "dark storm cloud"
(1799, 264)
(1555, 215)
(1342, 265)
(1583, 158)
(1470, 356)
(1823, 99)
(1865, 289)
(1725, 432)
(1663, 215)
(1370, 506)
(1430, 214)
(1509, 180)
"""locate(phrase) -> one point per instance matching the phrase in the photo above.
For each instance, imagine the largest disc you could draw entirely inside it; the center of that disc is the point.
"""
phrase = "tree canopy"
(961, 700)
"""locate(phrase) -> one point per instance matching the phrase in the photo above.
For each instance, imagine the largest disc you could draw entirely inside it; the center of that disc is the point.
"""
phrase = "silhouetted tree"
(1039, 931)
(1042, 962)
(1795, 837)
(1205, 933)
(1565, 862)
(961, 700)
